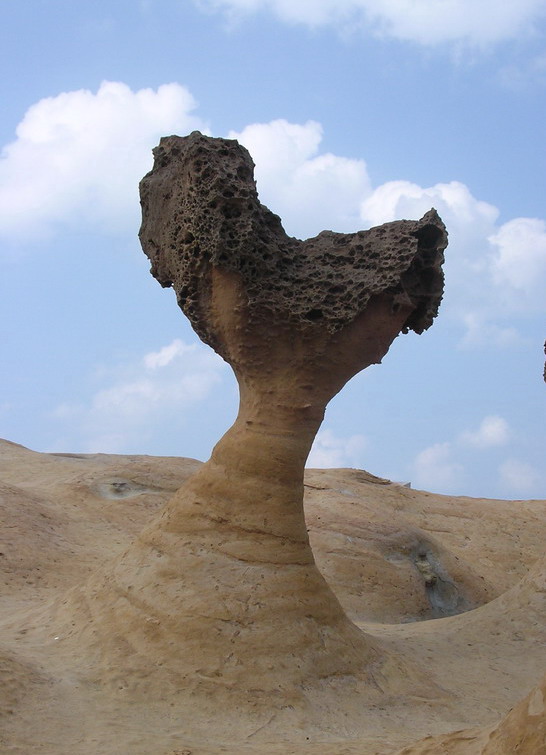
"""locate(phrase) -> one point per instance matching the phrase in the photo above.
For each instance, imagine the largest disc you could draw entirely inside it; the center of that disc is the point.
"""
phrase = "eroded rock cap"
(201, 209)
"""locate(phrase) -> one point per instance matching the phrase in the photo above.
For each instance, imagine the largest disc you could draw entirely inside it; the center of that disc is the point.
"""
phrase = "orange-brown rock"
(223, 585)
(217, 607)
(63, 515)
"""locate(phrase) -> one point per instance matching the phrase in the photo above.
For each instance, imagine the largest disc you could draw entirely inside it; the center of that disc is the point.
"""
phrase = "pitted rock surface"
(211, 630)
(201, 209)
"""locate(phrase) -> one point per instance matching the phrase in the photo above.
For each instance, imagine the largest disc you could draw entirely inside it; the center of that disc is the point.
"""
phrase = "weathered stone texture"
(218, 606)
(201, 209)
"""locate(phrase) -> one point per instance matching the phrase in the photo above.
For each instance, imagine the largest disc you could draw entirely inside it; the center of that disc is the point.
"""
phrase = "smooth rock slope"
(161, 606)
(62, 522)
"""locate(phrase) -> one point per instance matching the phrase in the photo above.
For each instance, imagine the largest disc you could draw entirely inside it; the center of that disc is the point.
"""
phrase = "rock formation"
(202, 219)
(295, 320)
(219, 599)
(65, 515)
(213, 632)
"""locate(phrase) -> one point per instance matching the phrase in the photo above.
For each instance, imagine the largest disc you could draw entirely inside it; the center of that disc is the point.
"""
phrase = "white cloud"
(520, 477)
(435, 469)
(488, 266)
(279, 146)
(427, 22)
(493, 273)
(480, 332)
(330, 451)
(470, 221)
(443, 466)
(143, 395)
(403, 199)
(165, 356)
(519, 258)
(310, 191)
(78, 157)
(493, 431)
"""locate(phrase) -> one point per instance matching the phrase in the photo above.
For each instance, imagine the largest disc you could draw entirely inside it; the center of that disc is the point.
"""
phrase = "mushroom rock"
(220, 595)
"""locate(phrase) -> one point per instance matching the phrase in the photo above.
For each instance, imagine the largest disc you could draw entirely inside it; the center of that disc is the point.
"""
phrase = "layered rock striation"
(219, 599)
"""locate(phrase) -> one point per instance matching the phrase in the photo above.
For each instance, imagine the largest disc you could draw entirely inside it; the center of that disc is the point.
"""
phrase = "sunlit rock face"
(295, 319)
(212, 630)
(218, 604)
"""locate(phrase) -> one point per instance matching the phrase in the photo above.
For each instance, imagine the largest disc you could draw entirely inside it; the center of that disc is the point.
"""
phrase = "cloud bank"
(443, 467)
(425, 22)
(493, 431)
(306, 188)
(494, 273)
(435, 468)
(78, 157)
(137, 399)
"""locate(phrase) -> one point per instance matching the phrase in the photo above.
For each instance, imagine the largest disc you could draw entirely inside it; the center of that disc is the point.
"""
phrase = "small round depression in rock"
(119, 487)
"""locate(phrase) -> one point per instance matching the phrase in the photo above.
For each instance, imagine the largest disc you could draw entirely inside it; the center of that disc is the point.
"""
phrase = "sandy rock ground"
(457, 586)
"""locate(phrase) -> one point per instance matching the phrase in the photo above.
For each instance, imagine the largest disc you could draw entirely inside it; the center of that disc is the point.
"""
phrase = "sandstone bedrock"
(217, 609)
(221, 591)
(205, 625)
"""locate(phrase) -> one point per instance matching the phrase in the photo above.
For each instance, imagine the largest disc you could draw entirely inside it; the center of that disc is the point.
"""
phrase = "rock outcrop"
(218, 604)
(295, 320)
(213, 632)
(65, 515)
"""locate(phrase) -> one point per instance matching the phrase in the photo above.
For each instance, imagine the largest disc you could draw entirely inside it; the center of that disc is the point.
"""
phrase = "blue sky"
(356, 112)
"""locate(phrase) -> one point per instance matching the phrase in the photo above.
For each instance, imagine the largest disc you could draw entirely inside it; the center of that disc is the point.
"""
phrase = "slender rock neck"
(248, 498)
(285, 420)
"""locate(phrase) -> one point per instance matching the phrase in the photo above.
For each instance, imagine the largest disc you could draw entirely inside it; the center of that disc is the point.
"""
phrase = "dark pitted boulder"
(201, 210)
